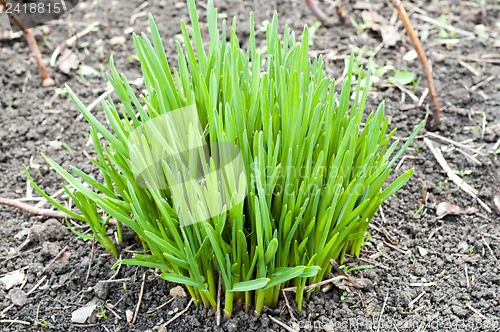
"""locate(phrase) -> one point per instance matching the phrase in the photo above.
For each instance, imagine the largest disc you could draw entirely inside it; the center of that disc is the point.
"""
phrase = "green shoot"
(292, 172)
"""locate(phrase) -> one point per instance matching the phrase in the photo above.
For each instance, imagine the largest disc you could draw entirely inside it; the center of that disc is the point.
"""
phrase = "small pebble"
(232, 327)
(130, 315)
(18, 297)
(101, 290)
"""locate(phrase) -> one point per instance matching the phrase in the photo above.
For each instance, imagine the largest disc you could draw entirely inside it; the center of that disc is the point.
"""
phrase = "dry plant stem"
(14, 321)
(34, 210)
(455, 178)
(382, 312)
(421, 56)
(219, 290)
(140, 298)
(313, 7)
(47, 81)
(287, 304)
(283, 325)
(179, 314)
(324, 282)
(90, 262)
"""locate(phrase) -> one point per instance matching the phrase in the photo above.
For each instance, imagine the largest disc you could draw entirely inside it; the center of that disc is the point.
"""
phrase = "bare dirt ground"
(429, 274)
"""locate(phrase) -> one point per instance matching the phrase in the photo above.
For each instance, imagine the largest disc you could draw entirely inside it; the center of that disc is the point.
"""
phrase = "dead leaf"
(68, 61)
(64, 257)
(446, 208)
(178, 291)
(378, 23)
(12, 279)
(81, 314)
(496, 200)
(469, 259)
(406, 107)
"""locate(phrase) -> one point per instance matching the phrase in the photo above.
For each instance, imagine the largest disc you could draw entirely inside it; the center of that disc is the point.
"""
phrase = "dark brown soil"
(462, 250)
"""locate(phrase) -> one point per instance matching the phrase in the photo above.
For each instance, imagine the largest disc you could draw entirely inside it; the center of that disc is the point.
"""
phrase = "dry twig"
(219, 291)
(283, 325)
(90, 262)
(382, 312)
(180, 313)
(14, 321)
(313, 7)
(47, 81)
(34, 210)
(455, 178)
(140, 298)
(421, 56)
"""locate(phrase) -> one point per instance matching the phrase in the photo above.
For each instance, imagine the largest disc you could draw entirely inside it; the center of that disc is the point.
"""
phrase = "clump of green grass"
(314, 173)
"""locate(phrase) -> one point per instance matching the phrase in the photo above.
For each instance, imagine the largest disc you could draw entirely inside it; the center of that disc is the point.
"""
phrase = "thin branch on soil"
(483, 82)
(86, 325)
(382, 214)
(470, 157)
(450, 141)
(24, 244)
(14, 321)
(283, 325)
(454, 177)
(116, 280)
(422, 97)
(434, 231)
(415, 300)
(90, 261)
(313, 7)
(382, 312)
(497, 145)
(466, 276)
(116, 273)
(180, 313)
(71, 41)
(219, 291)
(47, 81)
(481, 60)
(429, 322)
(372, 262)
(421, 56)
(404, 90)
(159, 307)
(469, 68)
(488, 246)
(444, 25)
(476, 311)
(396, 248)
(324, 282)
(287, 304)
(34, 210)
(140, 298)
(109, 307)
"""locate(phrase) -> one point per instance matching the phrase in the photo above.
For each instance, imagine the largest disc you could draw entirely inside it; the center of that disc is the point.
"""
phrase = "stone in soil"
(51, 230)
